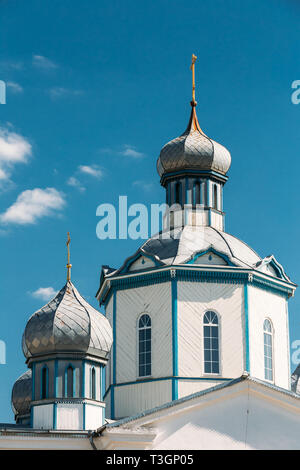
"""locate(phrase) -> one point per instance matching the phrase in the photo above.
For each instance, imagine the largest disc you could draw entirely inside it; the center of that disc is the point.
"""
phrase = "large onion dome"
(67, 324)
(193, 150)
(21, 395)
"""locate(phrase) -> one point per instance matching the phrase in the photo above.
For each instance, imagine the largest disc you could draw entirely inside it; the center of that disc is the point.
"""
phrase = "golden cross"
(194, 58)
(69, 266)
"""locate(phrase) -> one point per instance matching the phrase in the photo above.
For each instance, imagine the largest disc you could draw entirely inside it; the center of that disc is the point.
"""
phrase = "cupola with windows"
(193, 169)
(66, 344)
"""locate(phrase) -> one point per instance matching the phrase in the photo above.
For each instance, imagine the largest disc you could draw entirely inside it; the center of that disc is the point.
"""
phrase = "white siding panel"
(93, 417)
(69, 416)
(264, 304)
(156, 301)
(187, 387)
(194, 299)
(43, 417)
(132, 399)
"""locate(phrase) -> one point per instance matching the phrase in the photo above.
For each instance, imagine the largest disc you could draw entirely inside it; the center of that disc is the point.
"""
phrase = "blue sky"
(94, 90)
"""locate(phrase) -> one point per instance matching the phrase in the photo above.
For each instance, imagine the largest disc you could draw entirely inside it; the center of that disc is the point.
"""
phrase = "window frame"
(70, 366)
(140, 377)
(42, 397)
(272, 349)
(93, 396)
(210, 374)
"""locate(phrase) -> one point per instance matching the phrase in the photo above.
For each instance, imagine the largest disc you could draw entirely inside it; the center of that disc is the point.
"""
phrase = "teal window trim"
(246, 312)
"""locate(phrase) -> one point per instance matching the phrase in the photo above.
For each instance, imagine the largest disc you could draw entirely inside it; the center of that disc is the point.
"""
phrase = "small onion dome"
(21, 395)
(67, 324)
(193, 150)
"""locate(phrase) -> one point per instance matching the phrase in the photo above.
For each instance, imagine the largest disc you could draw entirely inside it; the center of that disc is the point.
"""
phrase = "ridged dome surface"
(21, 394)
(180, 245)
(67, 324)
(193, 150)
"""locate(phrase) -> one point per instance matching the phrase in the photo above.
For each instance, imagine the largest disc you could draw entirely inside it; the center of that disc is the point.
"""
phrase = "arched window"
(215, 201)
(44, 383)
(196, 194)
(93, 383)
(211, 343)
(268, 349)
(69, 382)
(177, 193)
(144, 333)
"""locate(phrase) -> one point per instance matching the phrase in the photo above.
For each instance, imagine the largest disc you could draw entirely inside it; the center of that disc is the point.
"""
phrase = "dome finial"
(69, 266)
(194, 58)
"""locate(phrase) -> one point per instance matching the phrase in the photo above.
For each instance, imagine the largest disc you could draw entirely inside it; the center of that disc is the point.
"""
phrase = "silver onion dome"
(67, 324)
(21, 394)
(193, 150)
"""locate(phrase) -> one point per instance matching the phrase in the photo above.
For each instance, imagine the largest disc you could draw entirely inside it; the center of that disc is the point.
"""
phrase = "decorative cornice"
(194, 273)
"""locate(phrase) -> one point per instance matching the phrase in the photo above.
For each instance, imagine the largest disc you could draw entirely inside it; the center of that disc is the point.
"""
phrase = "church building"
(193, 350)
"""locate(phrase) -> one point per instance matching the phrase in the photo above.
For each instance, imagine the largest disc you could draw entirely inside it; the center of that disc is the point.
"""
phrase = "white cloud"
(130, 151)
(14, 149)
(44, 293)
(11, 65)
(43, 62)
(33, 204)
(93, 170)
(72, 181)
(60, 92)
(143, 185)
(15, 87)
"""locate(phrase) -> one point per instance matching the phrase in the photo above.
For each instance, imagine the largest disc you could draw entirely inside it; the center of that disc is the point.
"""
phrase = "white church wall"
(243, 421)
(263, 304)
(156, 301)
(43, 416)
(132, 399)
(69, 416)
(93, 417)
(187, 387)
(194, 299)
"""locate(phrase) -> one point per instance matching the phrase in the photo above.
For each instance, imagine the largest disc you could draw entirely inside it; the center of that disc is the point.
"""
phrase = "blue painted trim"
(211, 250)
(33, 382)
(174, 334)
(205, 379)
(174, 388)
(55, 378)
(196, 274)
(83, 416)
(112, 402)
(54, 415)
(114, 336)
(247, 328)
(183, 173)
